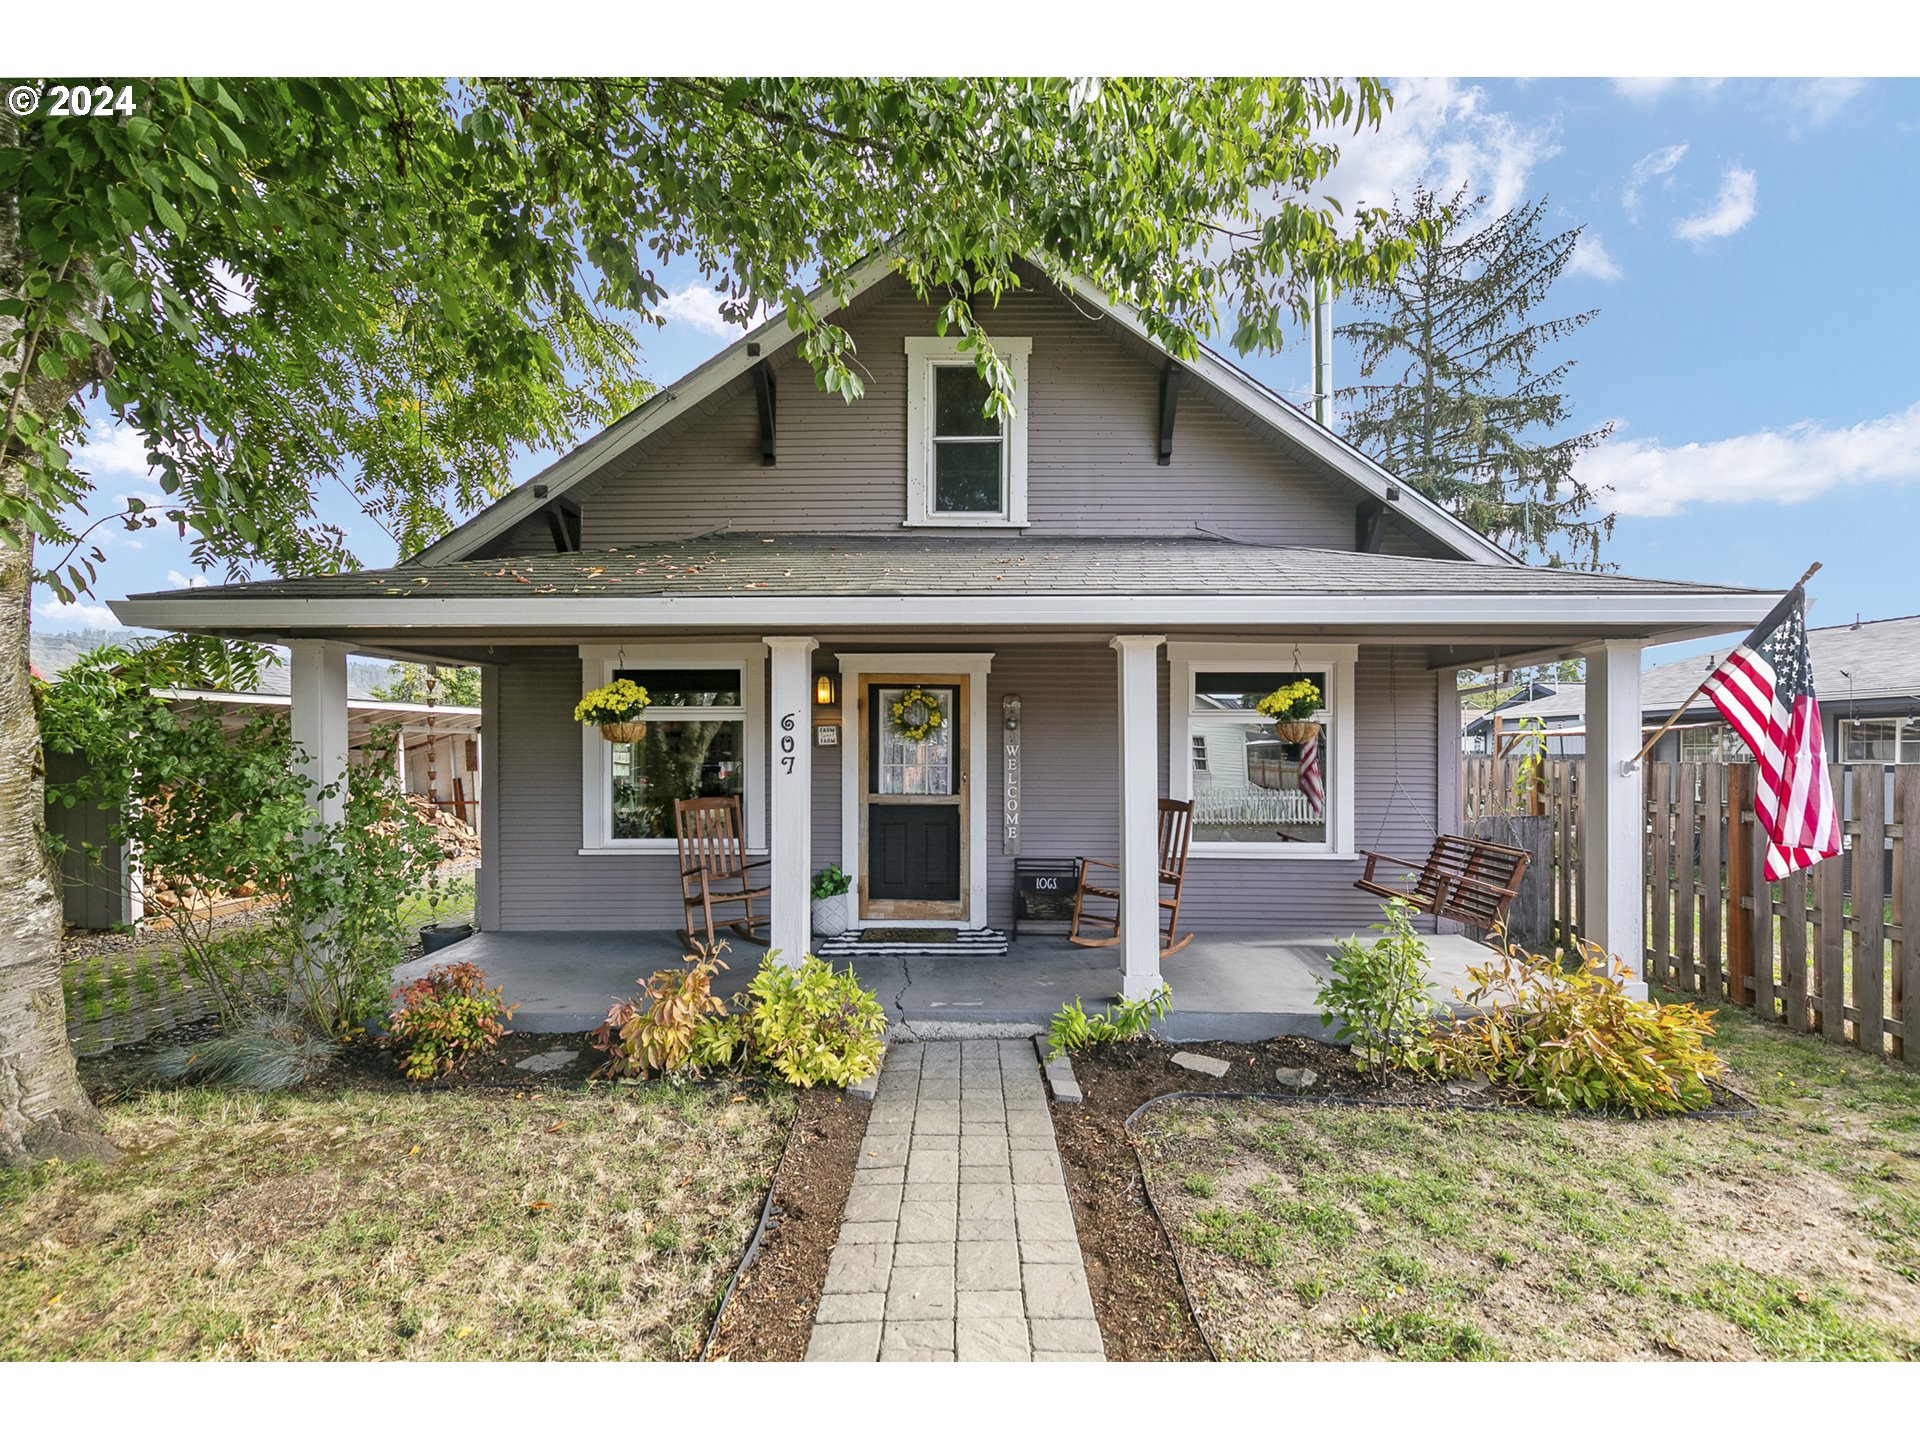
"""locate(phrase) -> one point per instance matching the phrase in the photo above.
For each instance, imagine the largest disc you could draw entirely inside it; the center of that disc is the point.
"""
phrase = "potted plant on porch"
(1292, 708)
(830, 888)
(617, 709)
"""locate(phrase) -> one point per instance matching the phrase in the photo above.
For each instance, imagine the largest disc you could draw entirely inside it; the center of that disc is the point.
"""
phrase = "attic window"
(964, 467)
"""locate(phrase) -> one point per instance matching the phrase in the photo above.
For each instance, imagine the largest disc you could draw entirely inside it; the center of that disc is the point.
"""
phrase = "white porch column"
(319, 685)
(1139, 697)
(1610, 863)
(790, 752)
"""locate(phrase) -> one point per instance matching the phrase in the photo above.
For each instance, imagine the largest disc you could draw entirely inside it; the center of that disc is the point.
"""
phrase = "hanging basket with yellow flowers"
(616, 709)
(915, 715)
(1292, 708)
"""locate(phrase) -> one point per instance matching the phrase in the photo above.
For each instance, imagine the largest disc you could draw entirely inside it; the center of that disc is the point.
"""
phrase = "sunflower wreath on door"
(915, 715)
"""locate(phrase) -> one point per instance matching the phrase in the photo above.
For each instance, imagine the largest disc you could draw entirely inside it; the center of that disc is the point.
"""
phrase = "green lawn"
(1343, 1233)
(377, 1224)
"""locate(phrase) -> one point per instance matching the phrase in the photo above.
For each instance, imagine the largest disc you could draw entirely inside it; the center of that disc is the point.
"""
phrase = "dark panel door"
(914, 791)
(914, 852)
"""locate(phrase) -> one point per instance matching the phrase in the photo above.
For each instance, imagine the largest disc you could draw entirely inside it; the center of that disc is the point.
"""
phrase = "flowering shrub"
(610, 704)
(680, 1024)
(444, 1019)
(1298, 701)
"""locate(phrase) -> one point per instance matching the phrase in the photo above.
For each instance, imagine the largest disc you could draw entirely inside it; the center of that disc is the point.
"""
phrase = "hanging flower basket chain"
(915, 715)
(616, 709)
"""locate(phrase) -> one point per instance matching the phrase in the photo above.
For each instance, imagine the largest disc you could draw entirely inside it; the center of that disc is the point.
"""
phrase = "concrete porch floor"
(1225, 987)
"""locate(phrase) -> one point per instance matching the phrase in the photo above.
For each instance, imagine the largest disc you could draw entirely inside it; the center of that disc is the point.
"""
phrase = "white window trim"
(597, 664)
(975, 665)
(1184, 658)
(924, 353)
(1906, 739)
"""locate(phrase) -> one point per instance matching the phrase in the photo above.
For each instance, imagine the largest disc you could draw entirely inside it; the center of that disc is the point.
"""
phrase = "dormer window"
(964, 467)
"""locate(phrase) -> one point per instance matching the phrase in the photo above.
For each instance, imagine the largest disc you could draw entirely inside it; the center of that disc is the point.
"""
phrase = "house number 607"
(787, 723)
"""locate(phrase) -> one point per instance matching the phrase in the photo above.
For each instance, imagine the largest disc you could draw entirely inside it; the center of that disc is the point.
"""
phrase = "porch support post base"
(1611, 872)
(319, 721)
(790, 788)
(1139, 705)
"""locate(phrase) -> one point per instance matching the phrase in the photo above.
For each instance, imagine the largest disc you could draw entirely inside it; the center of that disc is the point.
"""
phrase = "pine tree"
(1453, 398)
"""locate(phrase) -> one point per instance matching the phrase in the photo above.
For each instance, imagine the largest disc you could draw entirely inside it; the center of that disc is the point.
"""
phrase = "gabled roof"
(1220, 375)
(1553, 700)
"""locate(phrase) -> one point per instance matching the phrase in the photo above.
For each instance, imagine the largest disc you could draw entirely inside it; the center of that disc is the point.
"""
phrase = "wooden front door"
(913, 810)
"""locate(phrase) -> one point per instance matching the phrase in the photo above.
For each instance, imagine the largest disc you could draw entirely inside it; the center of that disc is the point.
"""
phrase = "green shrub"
(1377, 996)
(444, 1019)
(266, 1050)
(830, 882)
(662, 1033)
(1073, 1029)
(1573, 1039)
(811, 1024)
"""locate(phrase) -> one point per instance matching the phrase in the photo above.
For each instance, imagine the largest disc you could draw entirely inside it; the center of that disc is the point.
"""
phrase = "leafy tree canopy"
(392, 285)
(1458, 399)
(452, 685)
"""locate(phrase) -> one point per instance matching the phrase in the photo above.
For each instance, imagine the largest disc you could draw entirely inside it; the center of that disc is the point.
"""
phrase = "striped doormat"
(895, 941)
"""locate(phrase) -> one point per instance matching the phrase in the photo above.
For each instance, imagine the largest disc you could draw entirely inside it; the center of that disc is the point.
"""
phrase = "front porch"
(1225, 987)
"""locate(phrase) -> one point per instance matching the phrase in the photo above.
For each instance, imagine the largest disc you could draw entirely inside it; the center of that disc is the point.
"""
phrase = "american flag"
(1765, 689)
(1311, 785)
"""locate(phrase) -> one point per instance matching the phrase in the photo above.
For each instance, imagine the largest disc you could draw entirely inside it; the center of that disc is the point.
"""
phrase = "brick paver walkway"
(958, 1242)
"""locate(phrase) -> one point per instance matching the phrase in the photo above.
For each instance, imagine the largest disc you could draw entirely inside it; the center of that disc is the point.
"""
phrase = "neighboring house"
(1868, 677)
(438, 759)
(1559, 706)
(1118, 570)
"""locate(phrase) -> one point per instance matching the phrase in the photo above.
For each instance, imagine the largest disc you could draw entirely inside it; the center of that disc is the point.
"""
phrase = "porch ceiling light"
(823, 690)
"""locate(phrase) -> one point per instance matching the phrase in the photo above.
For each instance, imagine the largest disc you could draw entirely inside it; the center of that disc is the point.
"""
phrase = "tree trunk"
(43, 1111)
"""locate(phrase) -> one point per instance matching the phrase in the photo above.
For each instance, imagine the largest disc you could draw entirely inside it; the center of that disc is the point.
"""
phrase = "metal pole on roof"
(1322, 355)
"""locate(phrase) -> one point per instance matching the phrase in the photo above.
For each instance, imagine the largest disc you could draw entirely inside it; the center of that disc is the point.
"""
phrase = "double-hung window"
(964, 466)
(705, 737)
(1258, 789)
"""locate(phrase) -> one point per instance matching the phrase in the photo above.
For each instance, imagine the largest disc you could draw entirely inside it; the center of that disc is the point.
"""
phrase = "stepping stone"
(547, 1061)
(1296, 1079)
(1205, 1064)
(1469, 1088)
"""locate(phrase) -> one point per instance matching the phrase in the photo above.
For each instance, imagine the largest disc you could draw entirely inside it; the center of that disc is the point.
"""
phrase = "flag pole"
(1673, 719)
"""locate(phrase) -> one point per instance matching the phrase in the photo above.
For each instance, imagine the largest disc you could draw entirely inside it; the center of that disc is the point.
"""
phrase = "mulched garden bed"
(1137, 1293)
(771, 1312)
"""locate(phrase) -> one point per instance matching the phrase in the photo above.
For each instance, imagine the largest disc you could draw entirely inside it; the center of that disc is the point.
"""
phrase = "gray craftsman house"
(1094, 591)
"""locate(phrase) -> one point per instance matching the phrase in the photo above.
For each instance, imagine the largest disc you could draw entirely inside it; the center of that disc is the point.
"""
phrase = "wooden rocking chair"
(1176, 831)
(1472, 881)
(713, 868)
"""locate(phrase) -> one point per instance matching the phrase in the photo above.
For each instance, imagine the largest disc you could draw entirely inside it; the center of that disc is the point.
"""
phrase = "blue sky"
(1748, 244)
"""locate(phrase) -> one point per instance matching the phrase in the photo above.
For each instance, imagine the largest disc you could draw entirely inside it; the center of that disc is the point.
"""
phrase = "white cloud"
(1732, 208)
(1821, 100)
(1784, 467)
(1644, 88)
(1654, 165)
(1443, 133)
(1590, 258)
(697, 306)
(185, 582)
(112, 449)
(75, 615)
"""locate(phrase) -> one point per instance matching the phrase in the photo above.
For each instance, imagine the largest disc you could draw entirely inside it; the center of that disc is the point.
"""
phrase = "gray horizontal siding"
(1069, 737)
(1092, 446)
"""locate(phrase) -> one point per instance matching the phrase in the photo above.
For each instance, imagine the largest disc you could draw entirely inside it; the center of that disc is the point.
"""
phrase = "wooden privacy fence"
(1834, 950)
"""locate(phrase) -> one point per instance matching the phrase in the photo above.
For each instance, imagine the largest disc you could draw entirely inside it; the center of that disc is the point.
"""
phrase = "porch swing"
(1467, 880)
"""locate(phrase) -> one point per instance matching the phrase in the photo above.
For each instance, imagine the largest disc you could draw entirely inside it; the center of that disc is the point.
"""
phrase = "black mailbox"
(1043, 890)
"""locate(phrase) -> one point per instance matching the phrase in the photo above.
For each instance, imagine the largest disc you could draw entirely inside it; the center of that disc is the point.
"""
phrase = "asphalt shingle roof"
(742, 564)
(1878, 659)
